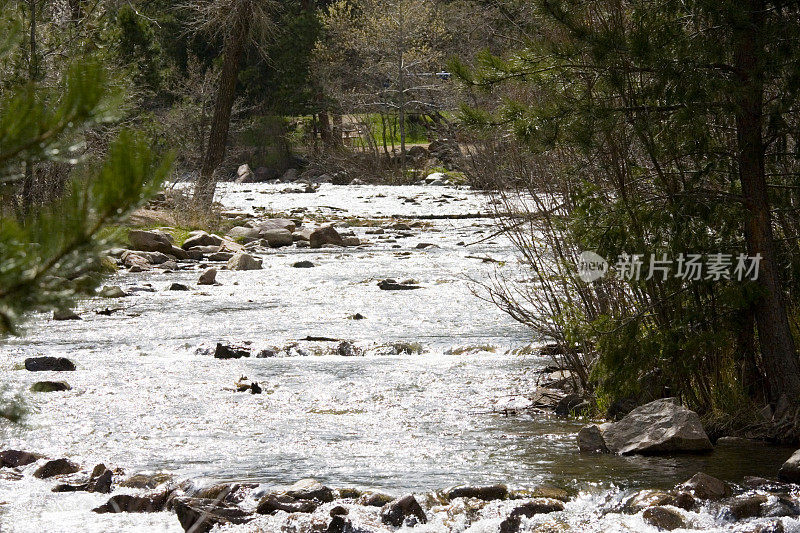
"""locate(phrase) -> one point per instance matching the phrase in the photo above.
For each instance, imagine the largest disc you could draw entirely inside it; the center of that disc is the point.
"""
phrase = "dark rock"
(661, 426)
(255, 388)
(776, 526)
(131, 503)
(209, 277)
(66, 487)
(395, 512)
(648, 498)
(375, 499)
(178, 287)
(220, 256)
(663, 518)
(339, 524)
(339, 510)
(101, 480)
(272, 503)
(201, 515)
(303, 264)
(50, 386)
(45, 364)
(278, 238)
(229, 352)
(201, 238)
(146, 481)
(684, 500)
(17, 458)
(620, 408)
(310, 489)
(590, 440)
(486, 493)
(569, 405)
(56, 467)
(226, 492)
(706, 487)
(150, 241)
(392, 285)
(65, 314)
(325, 235)
(527, 510)
(347, 349)
(747, 506)
(357, 316)
(353, 493)
(790, 470)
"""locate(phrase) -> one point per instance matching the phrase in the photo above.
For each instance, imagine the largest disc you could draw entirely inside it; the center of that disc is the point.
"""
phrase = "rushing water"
(148, 396)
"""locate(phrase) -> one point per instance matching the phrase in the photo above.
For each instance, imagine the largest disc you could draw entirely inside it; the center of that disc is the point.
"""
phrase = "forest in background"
(606, 126)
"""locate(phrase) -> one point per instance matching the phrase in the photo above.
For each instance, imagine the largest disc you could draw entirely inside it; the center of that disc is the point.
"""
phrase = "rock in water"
(178, 287)
(150, 241)
(706, 487)
(65, 314)
(325, 235)
(243, 261)
(277, 238)
(527, 510)
(56, 467)
(200, 515)
(209, 277)
(229, 352)
(272, 503)
(303, 264)
(590, 440)
(50, 386)
(663, 518)
(16, 458)
(112, 291)
(131, 503)
(486, 493)
(790, 470)
(395, 512)
(392, 285)
(310, 489)
(45, 364)
(661, 426)
(201, 238)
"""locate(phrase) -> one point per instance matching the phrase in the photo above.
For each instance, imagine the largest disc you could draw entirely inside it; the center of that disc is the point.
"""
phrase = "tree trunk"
(221, 121)
(28, 182)
(402, 109)
(774, 335)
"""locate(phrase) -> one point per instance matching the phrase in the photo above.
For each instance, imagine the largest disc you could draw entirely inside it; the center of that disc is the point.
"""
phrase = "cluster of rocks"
(49, 364)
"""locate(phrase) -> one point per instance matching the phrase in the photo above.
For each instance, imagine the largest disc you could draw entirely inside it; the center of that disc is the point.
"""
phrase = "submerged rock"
(660, 426)
(790, 470)
(395, 512)
(46, 364)
(56, 467)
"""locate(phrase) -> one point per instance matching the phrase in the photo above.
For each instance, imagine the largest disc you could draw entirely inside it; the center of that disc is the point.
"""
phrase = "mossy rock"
(50, 386)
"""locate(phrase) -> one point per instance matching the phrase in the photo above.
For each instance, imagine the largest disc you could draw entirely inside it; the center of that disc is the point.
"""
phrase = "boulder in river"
(150, 241)
(706, 487)
(310, 489)
(178, 287)
(47, 364)
(484, 492)
(243, 234)
(661, 426)
(146, 481)
(134, 503)
(276, 223)
(325, 235)
(303, 264)
(397, 511)
(790, 470)
(50, 386)
(663, 518)
(302, 235)
(56, 467)
(272, 503)
(277, 238)
(208, 277)
(590, 440)
(112, 291)
(229, 352)
(65, 314)
(392, 285)
(200, 515)
(17, 458)
(375, 499)
(243, 261)
(528, 509)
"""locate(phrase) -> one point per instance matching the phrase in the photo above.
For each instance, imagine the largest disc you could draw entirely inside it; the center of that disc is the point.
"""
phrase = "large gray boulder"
(790, 470)
(150, 241)
(242, 261)
(661, 426)
(276, 223)
(243, 234)
(276, 238)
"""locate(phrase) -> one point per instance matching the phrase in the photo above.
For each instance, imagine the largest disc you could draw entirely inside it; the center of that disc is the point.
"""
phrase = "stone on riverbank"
(790, 470)
(201, 238)
(150, 241)
(243, 261)
(49, 364)
(50, 386)
(661, 426)
(486, 493)
(56, 467)
(395, 512)
(325, 235)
